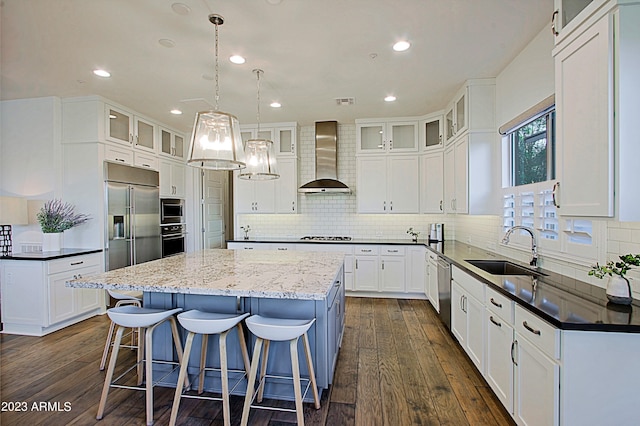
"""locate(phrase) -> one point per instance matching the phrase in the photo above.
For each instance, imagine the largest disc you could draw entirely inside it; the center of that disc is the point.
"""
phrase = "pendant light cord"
(217, 67)
(258, 72)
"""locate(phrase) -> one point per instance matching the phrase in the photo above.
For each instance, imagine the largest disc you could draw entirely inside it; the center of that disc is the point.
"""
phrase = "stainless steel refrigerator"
(133, 215)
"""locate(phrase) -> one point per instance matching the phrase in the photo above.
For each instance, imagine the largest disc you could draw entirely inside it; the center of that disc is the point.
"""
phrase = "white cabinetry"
(387, 184)
(432, 183)
(119, 154)
(125, 127)
(386, 136)
(570, 14)
(415, 275)
(172, 179)
(287, 186)
(172, 144)
(366, 268)
(283, 135)
(467, 315)
(596, 106)
(455, 116)
(252, 196)
(432, 132)
(35, 300)
(392, 269)
(432, 292)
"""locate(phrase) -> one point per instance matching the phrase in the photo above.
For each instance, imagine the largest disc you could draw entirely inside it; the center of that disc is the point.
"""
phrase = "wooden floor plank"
(397, 365)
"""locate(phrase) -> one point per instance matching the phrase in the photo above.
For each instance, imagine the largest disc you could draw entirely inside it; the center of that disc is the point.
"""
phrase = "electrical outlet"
(379, 234)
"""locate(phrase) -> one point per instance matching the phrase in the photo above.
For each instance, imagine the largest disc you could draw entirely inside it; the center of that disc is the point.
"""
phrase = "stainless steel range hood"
(326, 161)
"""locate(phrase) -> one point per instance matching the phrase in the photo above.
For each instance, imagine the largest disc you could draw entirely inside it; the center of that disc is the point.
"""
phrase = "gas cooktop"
(322, 238)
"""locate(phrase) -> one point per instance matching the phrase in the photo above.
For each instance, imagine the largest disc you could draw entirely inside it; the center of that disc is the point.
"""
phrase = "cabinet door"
(62, 303)
(499, 371)
(461, 119)
(403, 185)
(475, 331)
(449, 129)
(366, 273)
(433, 285)
(265, 196)
(178, 146)
(287, 186)
(402, 136)
(166, 187)
(370, 137)
(145, 134)
(584, 125)
(243, 198)
(371, 176)
(88, 299)
(285, 141)
(449, 180)
(461, 168)
(179, 180)
(433, 133)
(432, 179)
(458, 314)
(392, 270)
(166, 143)
(537, 386)
(119, 125)
(416, 269)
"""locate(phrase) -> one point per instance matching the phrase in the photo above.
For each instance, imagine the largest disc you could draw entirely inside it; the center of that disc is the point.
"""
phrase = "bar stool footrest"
(287, 378)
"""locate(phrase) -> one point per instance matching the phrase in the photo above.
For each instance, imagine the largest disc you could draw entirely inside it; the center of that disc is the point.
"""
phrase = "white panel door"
(499, 370)
(403, 193)
(371, 184)
(432, 179)
(214, 184)
(366, 273)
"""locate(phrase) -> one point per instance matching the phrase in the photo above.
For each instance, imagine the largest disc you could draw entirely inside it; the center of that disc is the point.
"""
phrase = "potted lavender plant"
(54, 218)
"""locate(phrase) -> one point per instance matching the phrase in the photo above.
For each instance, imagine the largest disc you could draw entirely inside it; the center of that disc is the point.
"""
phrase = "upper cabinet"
(472, 109)
(456, 115)
(432, 132)
(122, 126)
(386, 136)
(570, 14)
(172, 144)
(597, 94)
(283, 135)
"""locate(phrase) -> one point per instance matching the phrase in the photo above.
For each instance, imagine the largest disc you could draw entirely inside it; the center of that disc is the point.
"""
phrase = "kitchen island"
(299, 285)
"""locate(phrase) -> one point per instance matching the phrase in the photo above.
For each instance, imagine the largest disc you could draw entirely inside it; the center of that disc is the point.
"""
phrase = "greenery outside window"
(532, 150)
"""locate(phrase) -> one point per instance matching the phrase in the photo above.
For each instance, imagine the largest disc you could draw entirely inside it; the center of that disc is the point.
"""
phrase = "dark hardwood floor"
(398, 365)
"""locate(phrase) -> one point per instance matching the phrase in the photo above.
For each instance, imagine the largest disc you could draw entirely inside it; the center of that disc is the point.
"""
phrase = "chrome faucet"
(534, 246)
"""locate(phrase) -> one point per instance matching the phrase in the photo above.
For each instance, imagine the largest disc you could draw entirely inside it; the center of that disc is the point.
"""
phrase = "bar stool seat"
(206, 323)
(123, 298)
(265, 330)
(147, 320)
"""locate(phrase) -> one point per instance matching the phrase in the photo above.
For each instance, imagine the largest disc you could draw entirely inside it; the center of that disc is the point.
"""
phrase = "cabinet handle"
(440, 139)
(494, 321)
(248, 248)
(282, 248)
(356, 263)
(384, 205)
(440, 205)
(462, 303)
(553, 23)
(528, 327)
(383, 265)
(392, 251)
(366, 250)
(146, 165)
(513, 348)
(80, 262)
(391, 205)
(121, 160)
(499, 305)
(390, 145)
(137, 140)
(556, 188)
(130, 137)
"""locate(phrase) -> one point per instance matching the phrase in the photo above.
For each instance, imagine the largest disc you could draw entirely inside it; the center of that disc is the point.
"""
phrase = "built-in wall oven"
(172, 226)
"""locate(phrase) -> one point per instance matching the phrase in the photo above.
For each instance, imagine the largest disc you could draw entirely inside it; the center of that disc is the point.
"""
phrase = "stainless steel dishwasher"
(444, 290)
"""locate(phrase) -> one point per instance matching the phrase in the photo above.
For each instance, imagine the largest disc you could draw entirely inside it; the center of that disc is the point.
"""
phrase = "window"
(532, 150)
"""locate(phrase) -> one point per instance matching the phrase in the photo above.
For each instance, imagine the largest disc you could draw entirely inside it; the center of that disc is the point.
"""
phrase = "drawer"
(368, 250)
(145, 160)
(72, 263)
(470, 284)
(500, 305)
(118, 154)
(539, 332)
(392, 251)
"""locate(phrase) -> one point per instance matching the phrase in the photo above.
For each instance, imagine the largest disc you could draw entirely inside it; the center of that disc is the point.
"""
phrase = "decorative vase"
(52, 241)
(619, 290)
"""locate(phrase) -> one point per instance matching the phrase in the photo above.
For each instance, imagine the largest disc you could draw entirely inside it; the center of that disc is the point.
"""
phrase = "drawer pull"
(528, 327)
(77, 263)
(282, 248)
(392, 251)
(494, 303)
(494, 321)
(366, 251)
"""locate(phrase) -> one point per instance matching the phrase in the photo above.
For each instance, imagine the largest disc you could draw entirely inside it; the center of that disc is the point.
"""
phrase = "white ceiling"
(311, 51)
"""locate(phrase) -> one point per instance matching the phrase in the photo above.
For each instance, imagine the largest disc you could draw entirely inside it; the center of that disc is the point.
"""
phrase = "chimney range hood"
(326, 162)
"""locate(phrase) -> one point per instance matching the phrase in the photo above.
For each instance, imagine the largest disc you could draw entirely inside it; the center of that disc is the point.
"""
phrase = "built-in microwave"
(171, 211)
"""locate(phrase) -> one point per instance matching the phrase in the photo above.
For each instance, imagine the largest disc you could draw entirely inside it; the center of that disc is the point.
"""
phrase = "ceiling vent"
(345, 101)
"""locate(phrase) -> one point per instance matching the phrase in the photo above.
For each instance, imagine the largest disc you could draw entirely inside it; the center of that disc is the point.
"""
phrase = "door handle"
(554, 31)
(554, 194)
(513, 348)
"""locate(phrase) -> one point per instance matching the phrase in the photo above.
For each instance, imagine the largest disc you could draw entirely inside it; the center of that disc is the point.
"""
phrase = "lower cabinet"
(467, 315)
(35, 300)
(432, 281)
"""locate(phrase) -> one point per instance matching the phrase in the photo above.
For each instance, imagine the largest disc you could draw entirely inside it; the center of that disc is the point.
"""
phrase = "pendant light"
(216, 143)
(260, 154)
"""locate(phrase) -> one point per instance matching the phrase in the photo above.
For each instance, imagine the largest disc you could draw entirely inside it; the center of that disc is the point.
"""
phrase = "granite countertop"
(50, 255)
(268, 274)
(291, 240)
(565, 302)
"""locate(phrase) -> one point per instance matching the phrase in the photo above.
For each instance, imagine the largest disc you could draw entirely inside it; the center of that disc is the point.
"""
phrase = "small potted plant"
(246, 230)
(54, 218)
(618, 288)
(414, 234)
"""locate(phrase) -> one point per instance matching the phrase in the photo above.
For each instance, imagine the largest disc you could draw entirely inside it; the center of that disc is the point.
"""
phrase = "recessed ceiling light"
(390, 98)
(275, 104)
(167, 42)
(237, 59)
(102, 73)
(176, 111)
(181, 8)
(401, 46)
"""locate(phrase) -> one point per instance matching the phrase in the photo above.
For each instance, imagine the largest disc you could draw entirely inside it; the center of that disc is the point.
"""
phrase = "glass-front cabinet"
(145, 134)
(431, 132)
(283, 136)
(172, 144)
(119, 125)
(456, 120)
(565, 12)
(375, 137)
(285, 141)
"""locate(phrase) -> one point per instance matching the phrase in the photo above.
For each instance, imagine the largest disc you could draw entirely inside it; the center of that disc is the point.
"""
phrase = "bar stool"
(277, 329)
(147, 320)
(208, 323)
(129, 298)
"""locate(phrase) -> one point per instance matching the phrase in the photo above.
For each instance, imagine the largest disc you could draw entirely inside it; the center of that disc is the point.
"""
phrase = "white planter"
(52, 242)
(618, 290)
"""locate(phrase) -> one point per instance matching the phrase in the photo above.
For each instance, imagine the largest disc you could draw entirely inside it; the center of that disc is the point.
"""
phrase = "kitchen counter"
(281, 275)
(50, 255)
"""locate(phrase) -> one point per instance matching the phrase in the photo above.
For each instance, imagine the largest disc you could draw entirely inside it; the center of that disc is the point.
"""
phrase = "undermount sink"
(502, 267)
